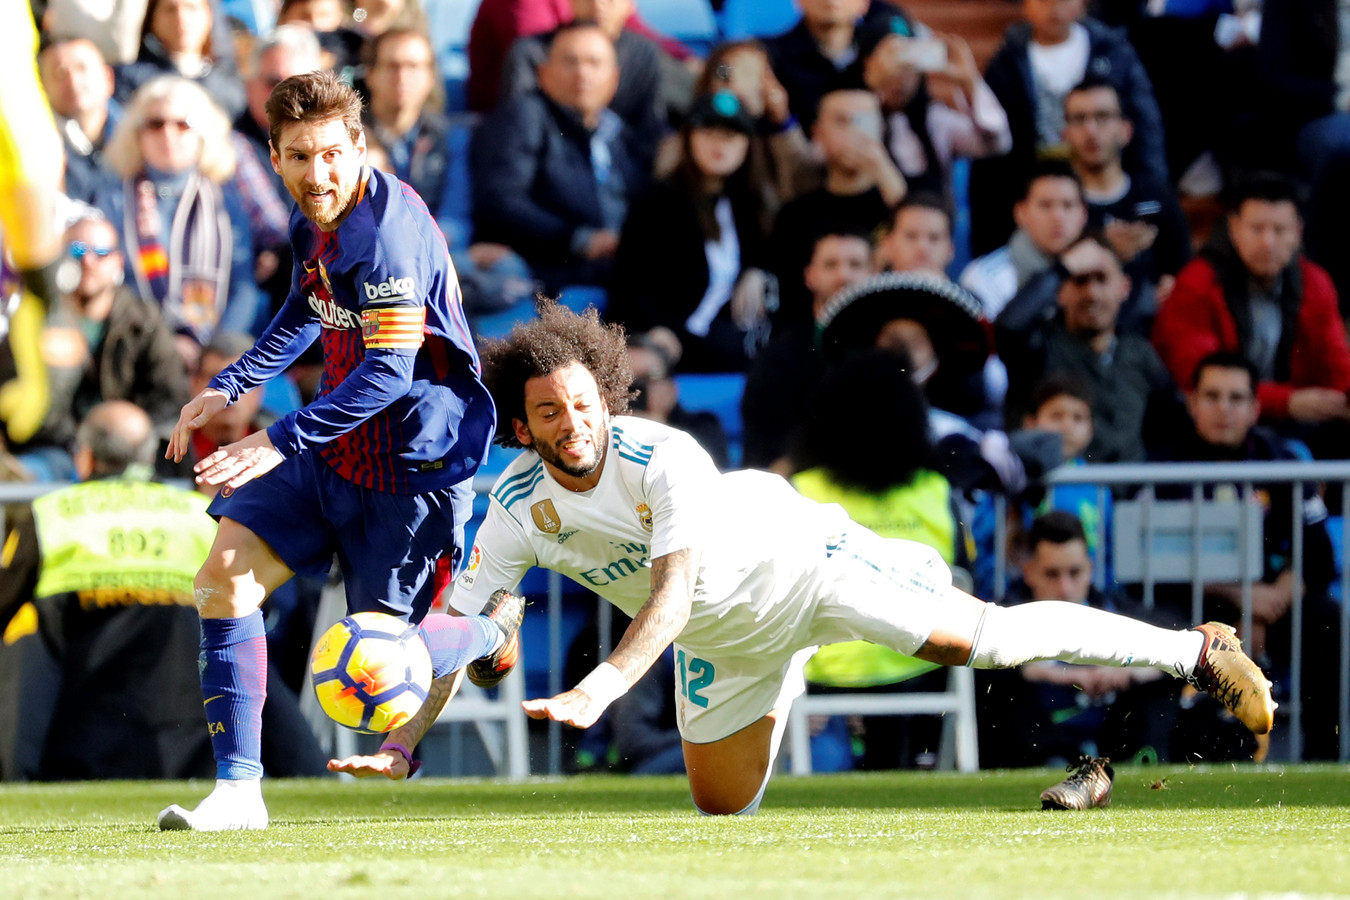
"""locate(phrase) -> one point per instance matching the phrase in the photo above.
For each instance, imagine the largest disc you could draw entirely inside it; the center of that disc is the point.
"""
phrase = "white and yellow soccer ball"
(371, 672)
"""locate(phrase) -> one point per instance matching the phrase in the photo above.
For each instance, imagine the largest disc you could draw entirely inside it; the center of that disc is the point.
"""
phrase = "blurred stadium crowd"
(910, 256)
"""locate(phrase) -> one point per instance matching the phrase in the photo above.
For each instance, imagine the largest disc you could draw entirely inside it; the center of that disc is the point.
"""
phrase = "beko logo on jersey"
(391, 287)
(332, 315)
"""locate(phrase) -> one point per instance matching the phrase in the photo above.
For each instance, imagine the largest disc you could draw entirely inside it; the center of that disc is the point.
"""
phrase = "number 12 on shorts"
(695, 675)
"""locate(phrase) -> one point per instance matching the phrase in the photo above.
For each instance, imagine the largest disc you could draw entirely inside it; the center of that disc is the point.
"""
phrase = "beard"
(550, 454)
(326, 209)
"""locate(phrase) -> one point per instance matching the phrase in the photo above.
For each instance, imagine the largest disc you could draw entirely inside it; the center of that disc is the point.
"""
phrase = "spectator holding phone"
(781, 157)
(862, 185)
(1039, 61)
(821, 54)
(936, 105)
(1138, 212)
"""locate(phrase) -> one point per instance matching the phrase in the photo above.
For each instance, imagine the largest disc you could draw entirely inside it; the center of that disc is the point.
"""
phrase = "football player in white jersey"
(741, 573)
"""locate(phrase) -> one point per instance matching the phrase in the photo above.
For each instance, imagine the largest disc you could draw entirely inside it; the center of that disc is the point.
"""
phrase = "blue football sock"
(456, 641)
(234, 686)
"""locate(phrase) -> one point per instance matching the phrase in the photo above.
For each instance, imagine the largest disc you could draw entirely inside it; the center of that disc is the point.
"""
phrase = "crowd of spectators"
(1036, 238)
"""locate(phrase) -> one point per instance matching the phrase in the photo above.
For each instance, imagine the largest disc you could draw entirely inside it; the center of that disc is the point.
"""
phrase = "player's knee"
(726, 800)
(220, 594)
(714, 808)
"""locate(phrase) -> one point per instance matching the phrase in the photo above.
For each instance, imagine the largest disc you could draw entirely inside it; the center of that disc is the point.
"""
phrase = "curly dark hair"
(544, 345)
(874, 388)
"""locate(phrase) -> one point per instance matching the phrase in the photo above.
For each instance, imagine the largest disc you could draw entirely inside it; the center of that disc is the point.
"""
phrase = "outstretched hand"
(240, 462)
(575, 708)
(391, 765)
(195, 413)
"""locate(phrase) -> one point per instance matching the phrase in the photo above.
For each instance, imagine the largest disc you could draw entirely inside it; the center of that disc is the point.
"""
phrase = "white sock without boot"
(1049, 629)
(232, 806)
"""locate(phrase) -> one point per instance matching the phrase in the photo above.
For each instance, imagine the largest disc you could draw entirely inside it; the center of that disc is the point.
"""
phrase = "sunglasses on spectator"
(79, 250)
(159, 124)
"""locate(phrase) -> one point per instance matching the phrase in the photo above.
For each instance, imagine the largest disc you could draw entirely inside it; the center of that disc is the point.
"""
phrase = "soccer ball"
(371, 672)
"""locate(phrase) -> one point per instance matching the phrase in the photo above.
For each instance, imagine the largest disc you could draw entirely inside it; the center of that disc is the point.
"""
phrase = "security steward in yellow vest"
(100, 633)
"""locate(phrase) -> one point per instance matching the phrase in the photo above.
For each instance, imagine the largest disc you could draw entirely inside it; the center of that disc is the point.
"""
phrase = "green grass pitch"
(1173, 831)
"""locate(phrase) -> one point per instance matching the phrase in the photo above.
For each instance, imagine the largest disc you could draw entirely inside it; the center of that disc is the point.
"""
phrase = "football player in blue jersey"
(377, 469)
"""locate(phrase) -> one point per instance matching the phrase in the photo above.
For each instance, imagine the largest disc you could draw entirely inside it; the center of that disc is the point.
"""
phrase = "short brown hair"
(542, 346)
(312, 97)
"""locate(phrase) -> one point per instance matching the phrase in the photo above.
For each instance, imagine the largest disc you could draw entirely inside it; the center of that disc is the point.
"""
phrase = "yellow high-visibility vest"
(119, 541)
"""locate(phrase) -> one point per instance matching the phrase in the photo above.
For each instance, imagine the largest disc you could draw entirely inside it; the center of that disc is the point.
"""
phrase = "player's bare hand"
(391, 765)
(194, 414)
(238, 463)
(575, 708)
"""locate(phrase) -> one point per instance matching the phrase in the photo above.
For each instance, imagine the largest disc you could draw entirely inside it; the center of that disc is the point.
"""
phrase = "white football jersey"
(760, 542)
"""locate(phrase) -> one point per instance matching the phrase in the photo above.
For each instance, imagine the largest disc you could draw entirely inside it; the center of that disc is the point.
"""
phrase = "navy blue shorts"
(397, 551)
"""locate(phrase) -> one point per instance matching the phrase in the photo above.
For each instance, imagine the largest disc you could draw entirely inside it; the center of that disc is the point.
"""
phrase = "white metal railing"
(1248, 477)
(1145, 477)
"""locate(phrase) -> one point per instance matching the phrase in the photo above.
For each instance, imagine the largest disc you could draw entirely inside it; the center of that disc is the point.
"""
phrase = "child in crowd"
(1063, 404)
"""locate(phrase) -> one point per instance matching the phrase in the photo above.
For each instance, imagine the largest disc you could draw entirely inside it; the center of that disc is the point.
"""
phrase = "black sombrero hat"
(852, 318)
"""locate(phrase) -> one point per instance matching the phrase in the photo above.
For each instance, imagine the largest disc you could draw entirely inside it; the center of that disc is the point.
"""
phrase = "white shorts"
(868, 588)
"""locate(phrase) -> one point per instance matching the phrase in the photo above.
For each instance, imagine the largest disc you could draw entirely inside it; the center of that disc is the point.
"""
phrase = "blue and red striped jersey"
(400, 407)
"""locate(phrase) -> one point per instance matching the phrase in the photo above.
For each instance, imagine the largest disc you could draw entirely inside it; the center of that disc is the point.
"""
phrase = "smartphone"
(927, 54)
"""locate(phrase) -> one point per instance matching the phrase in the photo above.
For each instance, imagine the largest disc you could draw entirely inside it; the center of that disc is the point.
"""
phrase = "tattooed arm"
(656, 625)
(391, 763)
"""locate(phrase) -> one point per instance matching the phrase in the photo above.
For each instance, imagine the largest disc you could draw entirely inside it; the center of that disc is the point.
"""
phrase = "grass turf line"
(1210, 831)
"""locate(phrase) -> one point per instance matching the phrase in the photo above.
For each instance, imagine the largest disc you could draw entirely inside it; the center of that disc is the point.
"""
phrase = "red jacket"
(1195, 321)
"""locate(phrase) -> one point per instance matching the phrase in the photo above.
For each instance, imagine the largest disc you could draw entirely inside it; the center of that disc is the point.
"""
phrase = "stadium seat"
(448, 23)
(499, 324)
(741, 19)
(688, 21)
(960, 743)
(580, 297)
(719, 394)
(1162, 552)
(961, 217)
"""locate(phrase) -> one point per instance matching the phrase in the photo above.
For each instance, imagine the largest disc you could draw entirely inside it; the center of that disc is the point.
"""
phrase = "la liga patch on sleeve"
(393, 327)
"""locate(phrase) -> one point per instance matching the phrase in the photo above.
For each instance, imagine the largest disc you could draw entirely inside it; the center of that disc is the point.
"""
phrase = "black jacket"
(996, 182)
(637, 100)
(533, 185)
(1134, 399)
(220, 79)
(1297, 59)
(661, 271)
(136, 360)
(808, 75)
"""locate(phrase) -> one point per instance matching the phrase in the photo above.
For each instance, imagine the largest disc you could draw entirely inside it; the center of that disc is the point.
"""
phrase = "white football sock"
(1050, 629)
(234, 805)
